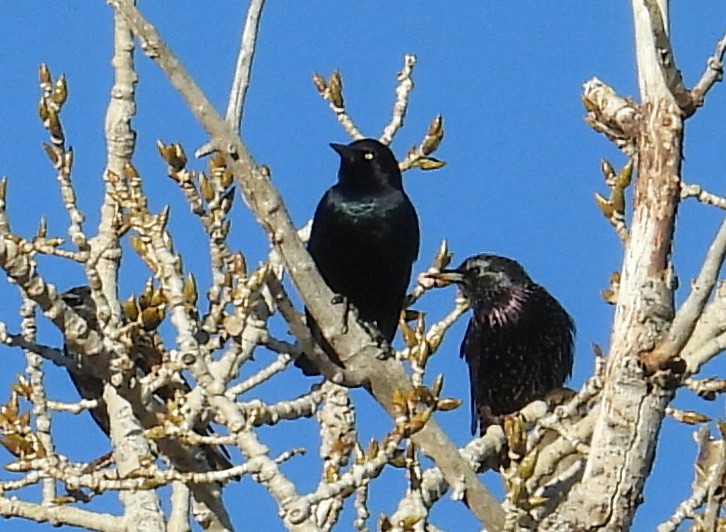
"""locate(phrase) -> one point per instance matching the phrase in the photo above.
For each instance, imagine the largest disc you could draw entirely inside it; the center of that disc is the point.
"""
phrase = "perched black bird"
(364, 239)
(518, 343)
(145, 356)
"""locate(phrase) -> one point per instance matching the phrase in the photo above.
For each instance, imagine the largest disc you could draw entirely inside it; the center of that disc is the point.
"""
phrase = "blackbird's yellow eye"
(368, 156)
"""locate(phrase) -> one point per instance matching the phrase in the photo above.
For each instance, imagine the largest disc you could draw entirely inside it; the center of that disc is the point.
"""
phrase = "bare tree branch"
(612, 115)
(38, 396)
(713, 73)
(143, 506)
(241, 82)
(356, 347)
(692, 308)
(705, 197)
(332, 92)
(405, 84)
(59, 515)
(633, 405)
(666, 59)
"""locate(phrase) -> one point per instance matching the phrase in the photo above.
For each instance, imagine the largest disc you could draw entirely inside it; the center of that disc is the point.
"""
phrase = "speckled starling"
(145, 355)
(364, 239)
(518, 343)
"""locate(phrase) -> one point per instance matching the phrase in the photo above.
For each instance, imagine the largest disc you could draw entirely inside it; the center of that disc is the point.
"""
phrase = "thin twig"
(405, 84)
(332, 92)
(266, 373)
(692, 308)
(705, 484)
(713, 73)
(696, 191)
(706, 388)
(241, 82)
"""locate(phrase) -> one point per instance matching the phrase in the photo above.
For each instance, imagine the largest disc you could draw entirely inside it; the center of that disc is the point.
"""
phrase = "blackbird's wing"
(364, 248)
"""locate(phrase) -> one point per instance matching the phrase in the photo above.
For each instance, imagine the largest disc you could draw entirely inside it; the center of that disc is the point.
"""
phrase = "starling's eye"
(368, 156)
(475, 271)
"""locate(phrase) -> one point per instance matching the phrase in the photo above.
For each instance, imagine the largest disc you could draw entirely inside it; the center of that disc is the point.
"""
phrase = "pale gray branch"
(666, 58)
(691, 310)
(705, 197)
(405, 84)
(612, 115)
(241, 82)
(61, 515)
(355, 346)
(713, 73)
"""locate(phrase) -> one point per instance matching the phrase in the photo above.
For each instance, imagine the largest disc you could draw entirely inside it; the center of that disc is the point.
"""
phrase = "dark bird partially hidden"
(146, 356)
(364, 240)
(518, 343)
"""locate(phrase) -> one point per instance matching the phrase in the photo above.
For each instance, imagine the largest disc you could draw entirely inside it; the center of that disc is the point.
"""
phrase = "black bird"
(518, 343)
(364, 239)
(145, 356)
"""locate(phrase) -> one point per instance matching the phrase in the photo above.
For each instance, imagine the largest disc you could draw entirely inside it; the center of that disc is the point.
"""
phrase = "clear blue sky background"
(522, 168)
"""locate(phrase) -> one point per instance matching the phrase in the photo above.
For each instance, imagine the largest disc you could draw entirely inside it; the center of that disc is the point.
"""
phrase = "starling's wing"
(90, 388)
(146, 355)
(556, 329)
(470, 351)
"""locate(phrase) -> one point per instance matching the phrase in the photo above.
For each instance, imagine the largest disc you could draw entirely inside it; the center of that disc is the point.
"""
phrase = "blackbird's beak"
(346, 152)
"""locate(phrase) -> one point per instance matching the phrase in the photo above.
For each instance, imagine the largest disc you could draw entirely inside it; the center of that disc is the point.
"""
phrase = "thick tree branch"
(612, 115)
(62, 515)
(357, 349)
(666, 59)
(633, 404)
(128, 444)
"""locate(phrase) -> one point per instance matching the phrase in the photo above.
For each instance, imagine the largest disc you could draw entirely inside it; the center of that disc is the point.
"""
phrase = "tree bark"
(633, 403)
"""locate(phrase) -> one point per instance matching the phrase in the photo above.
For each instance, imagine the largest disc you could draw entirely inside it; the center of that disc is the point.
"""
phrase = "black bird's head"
(367, 164)
(495, 285)
(79, 299)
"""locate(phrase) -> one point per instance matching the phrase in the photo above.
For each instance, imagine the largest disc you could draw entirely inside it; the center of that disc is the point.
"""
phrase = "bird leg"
(370, 328)
(339, 299)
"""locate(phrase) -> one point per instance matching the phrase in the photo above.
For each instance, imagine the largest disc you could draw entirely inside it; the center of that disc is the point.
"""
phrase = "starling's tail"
(306, 366)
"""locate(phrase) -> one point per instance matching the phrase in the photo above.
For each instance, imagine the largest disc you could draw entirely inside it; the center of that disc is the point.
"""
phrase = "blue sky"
(522, 166)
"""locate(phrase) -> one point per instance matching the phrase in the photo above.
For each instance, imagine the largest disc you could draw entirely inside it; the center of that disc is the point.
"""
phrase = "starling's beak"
(346, 152)
(446, 277)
